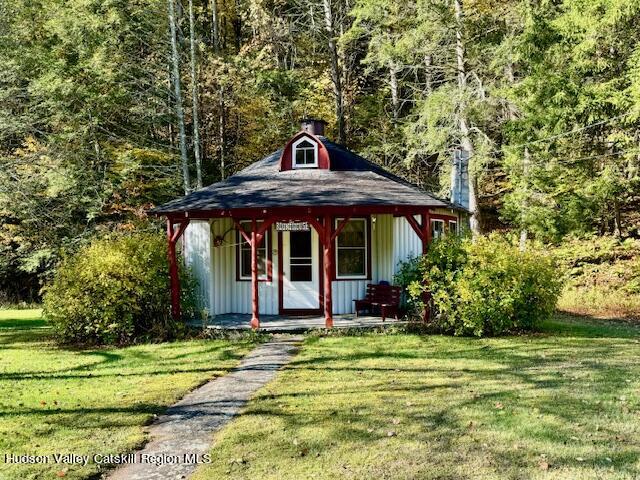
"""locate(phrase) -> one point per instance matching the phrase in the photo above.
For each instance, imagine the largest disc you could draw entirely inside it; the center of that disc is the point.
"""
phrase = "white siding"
(231, 295)
(382, 255)
(345, 291)
(392, 240)
(197, 255)
(405, 241)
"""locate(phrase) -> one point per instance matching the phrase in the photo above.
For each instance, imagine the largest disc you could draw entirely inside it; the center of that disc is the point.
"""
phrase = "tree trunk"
(335, 70)
(393, 83)
(221, 131)
(237, 26)
(617, 219)
(175, 70)
(215, 29)
(465, 139)
(428, 76)
(194, 97)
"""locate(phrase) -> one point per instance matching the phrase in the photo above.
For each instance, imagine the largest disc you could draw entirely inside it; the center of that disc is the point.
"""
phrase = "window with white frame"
(305, 153)
(244, 253)
(437, 229)
(351, 249)
(453, 227)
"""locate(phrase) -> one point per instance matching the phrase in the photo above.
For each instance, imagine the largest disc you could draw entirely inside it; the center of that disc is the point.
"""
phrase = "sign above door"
(292, 226)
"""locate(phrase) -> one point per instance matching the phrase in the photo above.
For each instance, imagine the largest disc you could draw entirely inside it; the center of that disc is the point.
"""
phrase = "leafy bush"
(115, 291)
(488, 287)
(408, 272)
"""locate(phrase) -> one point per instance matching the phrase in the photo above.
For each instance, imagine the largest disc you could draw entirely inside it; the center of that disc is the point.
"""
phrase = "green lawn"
(54, 400)
(564, 404)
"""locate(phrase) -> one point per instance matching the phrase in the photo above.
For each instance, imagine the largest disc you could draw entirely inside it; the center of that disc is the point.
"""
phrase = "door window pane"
(301, 273)
(300, 244)
(300, 259)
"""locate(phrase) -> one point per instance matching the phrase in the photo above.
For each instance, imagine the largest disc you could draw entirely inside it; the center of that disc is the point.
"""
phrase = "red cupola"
(306, 150)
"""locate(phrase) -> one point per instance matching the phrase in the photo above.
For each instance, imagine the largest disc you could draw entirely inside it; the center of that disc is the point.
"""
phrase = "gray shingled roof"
(351, 181)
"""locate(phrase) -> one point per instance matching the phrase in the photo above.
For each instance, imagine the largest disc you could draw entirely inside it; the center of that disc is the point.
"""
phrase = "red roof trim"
(286, 162)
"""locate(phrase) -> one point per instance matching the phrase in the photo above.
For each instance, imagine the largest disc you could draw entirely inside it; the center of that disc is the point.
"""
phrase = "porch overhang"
(293, 211)
(320, 218)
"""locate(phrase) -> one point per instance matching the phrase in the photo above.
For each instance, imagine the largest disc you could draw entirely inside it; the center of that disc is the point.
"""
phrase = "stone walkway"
(187, 427)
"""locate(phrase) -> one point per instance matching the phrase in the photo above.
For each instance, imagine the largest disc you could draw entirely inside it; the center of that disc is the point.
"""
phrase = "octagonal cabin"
(302, 231)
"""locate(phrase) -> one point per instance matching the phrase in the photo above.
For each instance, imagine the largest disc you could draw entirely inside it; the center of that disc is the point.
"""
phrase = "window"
(305, 153)
(301, 259)
(453, 227)
(437, 229)
(244, 254)
(351, 249)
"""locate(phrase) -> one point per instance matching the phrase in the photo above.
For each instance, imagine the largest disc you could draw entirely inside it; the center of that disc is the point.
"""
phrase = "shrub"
(408, 272)
(488, 287)
(115, 291)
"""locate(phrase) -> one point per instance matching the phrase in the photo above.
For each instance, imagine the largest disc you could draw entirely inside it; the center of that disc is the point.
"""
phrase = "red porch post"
(327, 244)
(426, 231)
(254, 240)
(255, 302)
(174, 279)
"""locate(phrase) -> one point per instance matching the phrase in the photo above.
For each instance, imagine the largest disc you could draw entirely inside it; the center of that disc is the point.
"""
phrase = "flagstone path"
(187, 427)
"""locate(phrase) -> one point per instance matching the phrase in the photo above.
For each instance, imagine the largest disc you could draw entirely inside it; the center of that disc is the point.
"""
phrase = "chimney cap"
(314, 126)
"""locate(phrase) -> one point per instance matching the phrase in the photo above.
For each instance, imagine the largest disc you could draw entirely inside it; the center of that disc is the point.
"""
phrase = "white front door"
(300, 270)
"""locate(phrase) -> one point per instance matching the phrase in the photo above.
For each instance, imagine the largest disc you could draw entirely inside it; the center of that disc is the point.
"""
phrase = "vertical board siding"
(384, 248)
(197, 256)
(406, 243)
(346, 291)
(392, 240)
(230, 295)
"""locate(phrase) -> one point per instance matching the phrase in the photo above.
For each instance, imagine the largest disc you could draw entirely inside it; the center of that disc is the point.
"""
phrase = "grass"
(562, 404)
(54, 400)
(600, 301)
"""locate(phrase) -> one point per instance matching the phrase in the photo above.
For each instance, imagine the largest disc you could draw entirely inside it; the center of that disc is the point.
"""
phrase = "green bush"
(487, 287)
(407, 273)
(115, 291)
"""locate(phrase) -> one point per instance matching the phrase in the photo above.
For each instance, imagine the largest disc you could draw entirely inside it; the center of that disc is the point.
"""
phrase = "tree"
(175, 80)
(194, 96)
(336, 75)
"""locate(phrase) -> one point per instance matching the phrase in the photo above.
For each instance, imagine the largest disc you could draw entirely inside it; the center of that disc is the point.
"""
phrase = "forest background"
(110, 107)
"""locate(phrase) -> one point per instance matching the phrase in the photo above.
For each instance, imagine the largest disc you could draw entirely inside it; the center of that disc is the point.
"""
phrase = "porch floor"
(296, 324)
